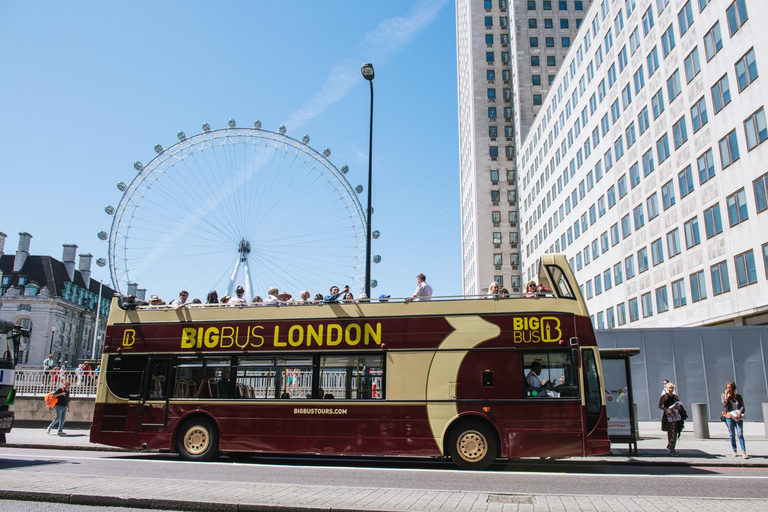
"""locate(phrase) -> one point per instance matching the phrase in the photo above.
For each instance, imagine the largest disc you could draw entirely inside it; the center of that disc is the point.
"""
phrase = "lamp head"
(367, 71)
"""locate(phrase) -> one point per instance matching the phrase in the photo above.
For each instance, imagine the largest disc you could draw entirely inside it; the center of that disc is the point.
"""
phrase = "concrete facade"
(644, 165)
(502, 74)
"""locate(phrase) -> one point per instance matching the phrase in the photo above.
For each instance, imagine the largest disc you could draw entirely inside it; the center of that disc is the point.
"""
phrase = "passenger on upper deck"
(333, 298)
(213, 297)
(318, 298)
(383, 298)
(349, 298)
(530, 289)
(258, 300)
(154, 300)
(272, 294)
(504, 293)
(303, 297)
(183, 296)
(493, 291)
(239, 300)
(285, 297)
(423, 290)
(363, 298)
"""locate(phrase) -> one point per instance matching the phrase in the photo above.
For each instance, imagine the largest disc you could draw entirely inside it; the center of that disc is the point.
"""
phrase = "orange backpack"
(50, 400)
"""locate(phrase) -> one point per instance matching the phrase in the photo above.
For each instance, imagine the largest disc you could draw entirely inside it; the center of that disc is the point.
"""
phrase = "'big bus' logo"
(129, 337)
(531, 329)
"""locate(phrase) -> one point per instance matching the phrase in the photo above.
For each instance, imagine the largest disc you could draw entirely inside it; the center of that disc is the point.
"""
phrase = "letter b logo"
(129, 337)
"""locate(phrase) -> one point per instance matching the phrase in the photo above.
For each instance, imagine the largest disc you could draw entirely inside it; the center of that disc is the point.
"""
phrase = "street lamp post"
(368, 74)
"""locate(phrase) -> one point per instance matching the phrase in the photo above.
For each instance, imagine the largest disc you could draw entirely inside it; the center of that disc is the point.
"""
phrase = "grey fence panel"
(689, 368)
(699, 360)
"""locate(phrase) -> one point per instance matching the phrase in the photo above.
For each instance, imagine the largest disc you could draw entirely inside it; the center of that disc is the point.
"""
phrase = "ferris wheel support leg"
(248, 285)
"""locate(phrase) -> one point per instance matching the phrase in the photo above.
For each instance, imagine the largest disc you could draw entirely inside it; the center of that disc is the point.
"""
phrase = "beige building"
(508, 52)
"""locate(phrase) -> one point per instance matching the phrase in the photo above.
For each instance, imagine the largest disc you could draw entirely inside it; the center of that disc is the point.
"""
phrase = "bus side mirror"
(576, 356)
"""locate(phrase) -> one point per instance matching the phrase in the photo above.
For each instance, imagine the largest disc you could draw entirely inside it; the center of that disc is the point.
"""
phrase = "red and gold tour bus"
(444, 378)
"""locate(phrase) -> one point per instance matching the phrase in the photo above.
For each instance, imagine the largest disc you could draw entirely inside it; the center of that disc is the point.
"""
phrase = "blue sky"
(90, 87)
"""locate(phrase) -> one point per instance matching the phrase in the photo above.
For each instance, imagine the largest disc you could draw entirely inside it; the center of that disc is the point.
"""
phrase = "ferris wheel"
(237, 207)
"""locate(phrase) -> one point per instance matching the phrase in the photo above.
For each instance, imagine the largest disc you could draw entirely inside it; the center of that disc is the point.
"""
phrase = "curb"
(36, 446)
(156, 503)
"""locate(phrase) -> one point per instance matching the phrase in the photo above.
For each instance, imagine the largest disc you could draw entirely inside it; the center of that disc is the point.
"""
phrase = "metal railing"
(40, 382)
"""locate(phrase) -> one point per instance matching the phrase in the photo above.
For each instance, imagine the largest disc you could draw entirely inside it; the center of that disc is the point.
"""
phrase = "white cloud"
(378, 46)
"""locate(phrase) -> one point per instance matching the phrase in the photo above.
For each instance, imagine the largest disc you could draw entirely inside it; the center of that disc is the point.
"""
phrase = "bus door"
(154, 404)
(593, 393)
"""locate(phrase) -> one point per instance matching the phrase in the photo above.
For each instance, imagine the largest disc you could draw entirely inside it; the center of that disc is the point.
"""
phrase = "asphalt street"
(560, 477)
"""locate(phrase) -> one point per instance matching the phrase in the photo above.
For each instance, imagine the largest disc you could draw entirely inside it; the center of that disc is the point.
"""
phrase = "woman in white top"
(493, 290)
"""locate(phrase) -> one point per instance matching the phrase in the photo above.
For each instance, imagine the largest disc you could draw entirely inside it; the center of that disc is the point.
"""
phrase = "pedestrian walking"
(733, 416)
(671, 420)
(61, 408)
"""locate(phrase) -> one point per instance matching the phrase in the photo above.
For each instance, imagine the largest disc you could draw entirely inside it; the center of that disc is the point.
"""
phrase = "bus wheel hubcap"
(472, 445)
(196, 440)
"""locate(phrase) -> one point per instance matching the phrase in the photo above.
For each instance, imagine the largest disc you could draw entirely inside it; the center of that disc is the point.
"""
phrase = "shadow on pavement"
(20, 464)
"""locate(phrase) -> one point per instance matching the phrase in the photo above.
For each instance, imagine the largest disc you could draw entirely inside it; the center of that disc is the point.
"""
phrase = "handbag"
(50, 400)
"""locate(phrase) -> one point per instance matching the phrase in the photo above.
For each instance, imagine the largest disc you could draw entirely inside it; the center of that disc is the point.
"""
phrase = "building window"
(634, 41)
(634, 315)
(692, 66)
(662, 302)
(679, 132)
(737, 15)
(549, 42)
(489, 21)
(712, 223)
(622, 183)
(494, 176)
(536, 79)
(721, 94)
(706, 166)
(618, 277)
(639, 218)
(761, 193)
(652, 61)
(765, 259)
(621, 314)
(668, 41)
(673, 243)
(490, 75)
(685, 18)
(634, 174)
(737, 208)
(551, 60)
(657, 252)
(692, 237)
(713, 42)
(647, 304)
(746, 70)
(629, 267)
(673, 86)
(698, 286)
(755, 129)
(534, 60)
(678, 293)
(647, 21)
(533, 42)
(493, 151)
(642, 260)
(496, 218)
(630, 134)
(668, 194)
(746, 273)
(657, 104)
(537, 99)
(699, 114)
(720, 282)
(532, 23)
(642, 120)
(626, 228)
(610, 318)
(729, 149)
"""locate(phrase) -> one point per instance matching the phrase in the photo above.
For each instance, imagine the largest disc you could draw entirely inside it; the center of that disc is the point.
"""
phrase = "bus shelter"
(622, 424)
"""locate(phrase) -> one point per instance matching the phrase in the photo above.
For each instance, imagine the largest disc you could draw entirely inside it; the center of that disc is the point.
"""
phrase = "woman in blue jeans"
(733, 412)
(61, 408)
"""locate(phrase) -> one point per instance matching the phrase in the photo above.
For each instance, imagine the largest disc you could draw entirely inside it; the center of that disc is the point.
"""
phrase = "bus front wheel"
(198, 440)
(472, 445)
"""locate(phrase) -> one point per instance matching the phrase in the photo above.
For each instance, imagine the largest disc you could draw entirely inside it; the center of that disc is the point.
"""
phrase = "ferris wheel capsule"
(359, 189)
(326, 152)
(121, 186)
(103, 235)
(344, 169)
(181, 135)
(138, 165)
(282, 129)
(231, 123)
(377, 259)
(101, 262)
(374, 283)
(376, 234)
(109, 209)
(206, 127)
(305, 139)
(257, 124)
(158, 148)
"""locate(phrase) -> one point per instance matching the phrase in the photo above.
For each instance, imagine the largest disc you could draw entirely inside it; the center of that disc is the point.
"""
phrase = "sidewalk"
(651, 448)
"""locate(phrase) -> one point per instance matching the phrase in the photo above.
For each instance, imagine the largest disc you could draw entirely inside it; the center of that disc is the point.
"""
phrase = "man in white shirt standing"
(239, 300)
(423, 290)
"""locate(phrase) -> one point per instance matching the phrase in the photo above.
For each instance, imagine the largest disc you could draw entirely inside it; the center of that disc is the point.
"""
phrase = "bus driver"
(533, 381)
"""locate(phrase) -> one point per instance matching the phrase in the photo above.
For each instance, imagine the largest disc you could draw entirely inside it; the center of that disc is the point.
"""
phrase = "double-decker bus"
(472, 379)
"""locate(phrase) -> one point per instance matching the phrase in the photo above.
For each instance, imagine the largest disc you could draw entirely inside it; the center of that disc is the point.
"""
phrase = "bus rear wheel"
(198, 440)
(472, 445)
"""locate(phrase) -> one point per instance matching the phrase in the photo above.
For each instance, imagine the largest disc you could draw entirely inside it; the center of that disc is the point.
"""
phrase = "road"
(529, 477)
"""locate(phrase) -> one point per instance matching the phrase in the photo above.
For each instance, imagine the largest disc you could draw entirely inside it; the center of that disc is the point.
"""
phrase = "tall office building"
(508, 54)
(646, 164)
